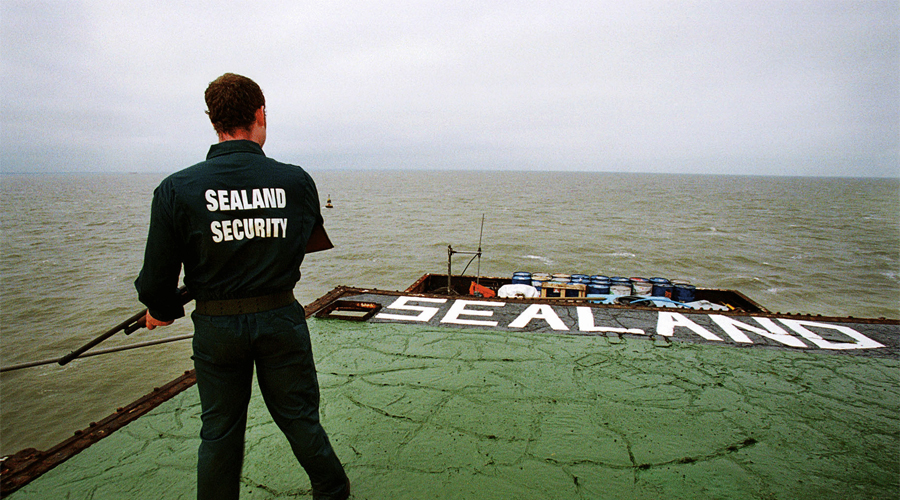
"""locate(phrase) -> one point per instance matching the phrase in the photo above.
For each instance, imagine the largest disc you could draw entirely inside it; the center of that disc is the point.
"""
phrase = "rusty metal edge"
(25, 466)
(21, 468)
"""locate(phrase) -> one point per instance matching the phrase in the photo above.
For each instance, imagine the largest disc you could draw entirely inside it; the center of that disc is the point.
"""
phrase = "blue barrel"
(683, 292)
(598, 288)
(662, 290)
(661, 287)
(521, 278)
(599, 278)
(580, 281)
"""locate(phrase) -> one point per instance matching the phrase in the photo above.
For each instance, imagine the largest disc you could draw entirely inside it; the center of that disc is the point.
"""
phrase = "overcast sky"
(749, 87)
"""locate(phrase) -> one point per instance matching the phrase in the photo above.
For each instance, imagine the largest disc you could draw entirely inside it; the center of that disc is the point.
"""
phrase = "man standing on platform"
(240, 223)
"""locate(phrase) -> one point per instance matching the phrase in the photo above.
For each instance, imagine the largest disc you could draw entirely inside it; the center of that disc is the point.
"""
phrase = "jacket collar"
(237, 146)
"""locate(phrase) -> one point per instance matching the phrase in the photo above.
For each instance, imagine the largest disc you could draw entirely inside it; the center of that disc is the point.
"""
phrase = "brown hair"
(232, 101)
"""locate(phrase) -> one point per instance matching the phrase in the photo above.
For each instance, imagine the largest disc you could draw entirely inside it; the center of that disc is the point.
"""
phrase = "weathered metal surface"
(417, 411)
(23, 467)
(19, 469)
(418, 305)
(837, 335)
(349, 310)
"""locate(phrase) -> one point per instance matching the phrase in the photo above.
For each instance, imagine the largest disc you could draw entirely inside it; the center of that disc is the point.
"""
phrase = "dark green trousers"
(226, 348)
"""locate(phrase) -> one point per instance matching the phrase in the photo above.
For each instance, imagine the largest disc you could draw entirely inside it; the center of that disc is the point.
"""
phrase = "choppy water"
(71, 247)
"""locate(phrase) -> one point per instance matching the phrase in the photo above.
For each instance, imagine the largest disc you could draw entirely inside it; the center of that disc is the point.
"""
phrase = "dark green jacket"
(238, 223)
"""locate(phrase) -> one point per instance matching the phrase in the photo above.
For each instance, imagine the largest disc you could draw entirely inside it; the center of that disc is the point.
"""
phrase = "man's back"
(244, 220)
(239, 224)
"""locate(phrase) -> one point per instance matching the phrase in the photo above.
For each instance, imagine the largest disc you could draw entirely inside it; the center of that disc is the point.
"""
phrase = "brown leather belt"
(250, 305)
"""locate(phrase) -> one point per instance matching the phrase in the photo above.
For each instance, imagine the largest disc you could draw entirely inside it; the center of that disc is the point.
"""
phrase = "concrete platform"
(427, 412)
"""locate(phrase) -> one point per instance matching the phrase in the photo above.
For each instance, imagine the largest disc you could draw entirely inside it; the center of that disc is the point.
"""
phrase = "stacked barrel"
(558, 285)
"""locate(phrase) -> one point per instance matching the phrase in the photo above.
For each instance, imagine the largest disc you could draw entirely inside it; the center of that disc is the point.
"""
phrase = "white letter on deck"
(862, 342)
(772, 331)
(542, 311)
(667, 322)
(586, 323)
(459, 307)
(425, 313)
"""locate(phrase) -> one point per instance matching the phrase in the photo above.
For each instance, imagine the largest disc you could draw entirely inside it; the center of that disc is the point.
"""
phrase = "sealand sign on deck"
(866, 337)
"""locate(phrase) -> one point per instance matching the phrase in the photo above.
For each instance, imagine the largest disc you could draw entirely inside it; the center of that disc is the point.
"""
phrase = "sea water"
(71, 247)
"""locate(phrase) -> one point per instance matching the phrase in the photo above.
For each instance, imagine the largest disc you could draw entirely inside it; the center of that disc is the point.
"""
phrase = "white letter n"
(669, 320)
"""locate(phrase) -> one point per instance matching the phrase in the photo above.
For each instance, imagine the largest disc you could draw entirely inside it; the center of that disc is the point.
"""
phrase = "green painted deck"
(420, 412)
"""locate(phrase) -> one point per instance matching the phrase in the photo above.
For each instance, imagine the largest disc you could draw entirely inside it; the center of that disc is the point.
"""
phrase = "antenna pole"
(478, 272)
(451, 251)
(449, 272)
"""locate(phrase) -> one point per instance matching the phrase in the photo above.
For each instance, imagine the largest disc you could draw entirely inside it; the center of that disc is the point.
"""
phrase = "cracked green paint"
(420, 412)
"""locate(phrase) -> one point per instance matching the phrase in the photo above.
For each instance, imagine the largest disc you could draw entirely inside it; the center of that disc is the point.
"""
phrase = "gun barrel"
(103, 336)
(129, 326)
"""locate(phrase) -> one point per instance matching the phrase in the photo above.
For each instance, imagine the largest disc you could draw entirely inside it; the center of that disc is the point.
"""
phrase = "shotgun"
(317, 242)
(129, 326)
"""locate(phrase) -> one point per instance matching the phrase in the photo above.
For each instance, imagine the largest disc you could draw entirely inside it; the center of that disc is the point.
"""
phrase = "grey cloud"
(809, 88)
